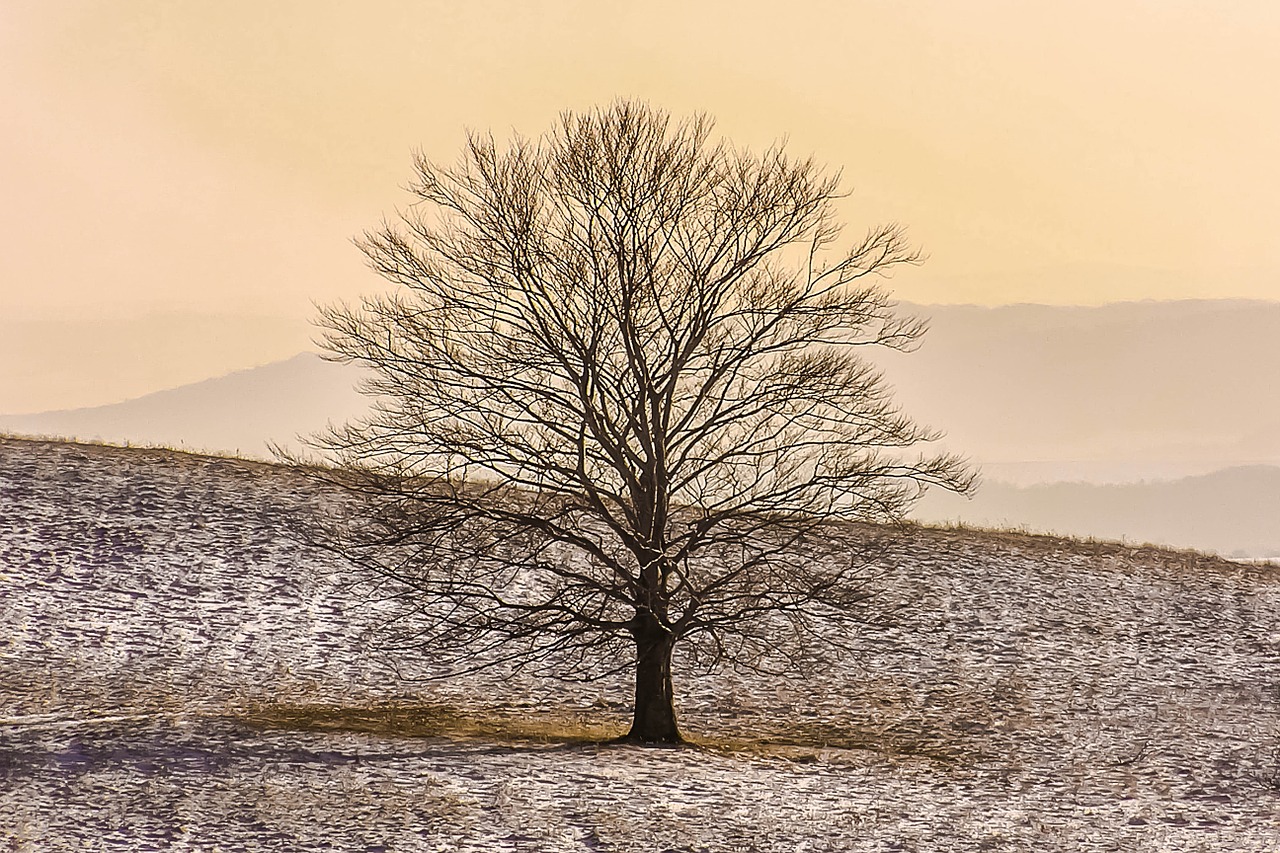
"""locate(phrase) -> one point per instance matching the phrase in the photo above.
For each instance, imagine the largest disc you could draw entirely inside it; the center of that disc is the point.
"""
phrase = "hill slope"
(1036, 693)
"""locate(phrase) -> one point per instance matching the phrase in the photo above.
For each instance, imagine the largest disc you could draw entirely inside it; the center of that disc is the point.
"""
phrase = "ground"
(177, 673)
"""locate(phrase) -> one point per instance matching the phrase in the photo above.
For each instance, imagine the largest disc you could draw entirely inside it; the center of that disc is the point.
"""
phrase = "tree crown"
(622, 374)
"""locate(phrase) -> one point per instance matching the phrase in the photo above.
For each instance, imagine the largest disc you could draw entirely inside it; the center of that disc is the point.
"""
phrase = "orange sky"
(218, 157)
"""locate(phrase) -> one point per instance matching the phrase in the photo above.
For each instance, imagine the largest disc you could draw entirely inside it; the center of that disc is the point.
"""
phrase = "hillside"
(176, 672)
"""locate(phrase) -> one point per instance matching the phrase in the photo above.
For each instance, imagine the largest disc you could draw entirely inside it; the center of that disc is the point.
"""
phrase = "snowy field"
(1038, 694)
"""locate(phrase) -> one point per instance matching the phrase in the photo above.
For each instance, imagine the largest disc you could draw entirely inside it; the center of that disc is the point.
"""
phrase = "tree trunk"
(655, 715)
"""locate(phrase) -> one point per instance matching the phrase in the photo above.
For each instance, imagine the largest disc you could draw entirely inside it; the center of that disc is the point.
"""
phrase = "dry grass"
(799, 742)
(429, 720)
(150, 452)
(1165, 557)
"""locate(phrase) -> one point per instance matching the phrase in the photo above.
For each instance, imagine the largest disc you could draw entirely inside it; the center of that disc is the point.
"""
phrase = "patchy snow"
(1038, 694)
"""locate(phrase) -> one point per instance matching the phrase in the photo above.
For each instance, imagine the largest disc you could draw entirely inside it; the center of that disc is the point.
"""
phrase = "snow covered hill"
(1036, 694)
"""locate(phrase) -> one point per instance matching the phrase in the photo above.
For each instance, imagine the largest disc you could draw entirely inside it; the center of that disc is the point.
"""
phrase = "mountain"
(238, 413)
(1235, 512)
(1116, 393)
(1032, 393)
(98, 357)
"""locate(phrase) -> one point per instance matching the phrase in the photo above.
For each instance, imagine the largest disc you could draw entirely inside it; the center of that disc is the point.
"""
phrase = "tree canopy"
(623, 402)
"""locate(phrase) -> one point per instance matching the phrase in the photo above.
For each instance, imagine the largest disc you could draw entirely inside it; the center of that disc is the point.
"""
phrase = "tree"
(620, 403)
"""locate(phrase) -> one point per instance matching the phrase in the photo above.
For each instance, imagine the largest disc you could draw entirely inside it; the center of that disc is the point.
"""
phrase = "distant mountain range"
(1234, 512)
(1118, 393)
(234, 414)
(90, 358)
(1144, 391)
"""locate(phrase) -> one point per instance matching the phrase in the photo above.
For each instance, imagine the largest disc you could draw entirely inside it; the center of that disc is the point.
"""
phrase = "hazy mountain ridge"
(98, 358)
(1033, 393)
(1044, 693)
(1234, 512)
(1117, 393)
(238, 413)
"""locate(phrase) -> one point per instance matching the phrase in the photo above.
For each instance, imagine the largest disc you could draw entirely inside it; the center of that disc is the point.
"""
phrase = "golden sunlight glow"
(219, 157)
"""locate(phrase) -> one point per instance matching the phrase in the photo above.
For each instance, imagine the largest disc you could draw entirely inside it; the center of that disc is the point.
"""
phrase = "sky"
(183, 180)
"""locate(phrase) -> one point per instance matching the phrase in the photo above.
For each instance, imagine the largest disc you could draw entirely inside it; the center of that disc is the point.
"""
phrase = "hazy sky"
(217, 157)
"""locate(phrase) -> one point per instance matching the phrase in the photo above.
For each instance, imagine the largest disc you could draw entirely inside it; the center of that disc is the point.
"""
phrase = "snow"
(1037, 694)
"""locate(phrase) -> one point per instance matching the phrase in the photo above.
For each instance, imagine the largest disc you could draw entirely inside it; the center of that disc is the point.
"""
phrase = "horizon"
(97, 390)
(1122, 392)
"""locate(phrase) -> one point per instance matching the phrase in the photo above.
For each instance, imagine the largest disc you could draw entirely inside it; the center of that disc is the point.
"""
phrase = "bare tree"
(621, 402)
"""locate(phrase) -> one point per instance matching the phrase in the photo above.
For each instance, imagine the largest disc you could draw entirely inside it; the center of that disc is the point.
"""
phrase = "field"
(177, 673)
